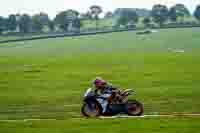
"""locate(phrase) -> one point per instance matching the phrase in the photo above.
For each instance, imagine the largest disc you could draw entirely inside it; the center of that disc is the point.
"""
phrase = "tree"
(197, 13)
(108, 14)
(36, 23)
(140, 11)
(172, 14)
(2, 24)
(146, 21)
(77, 24)
(25, 23)
(61, 21)
(159, 14)
(95, 12)
(12, 22)
(178, 11)
(85, 16)
(51, 25)
(127, 17)
(66, 18)
(39, 21)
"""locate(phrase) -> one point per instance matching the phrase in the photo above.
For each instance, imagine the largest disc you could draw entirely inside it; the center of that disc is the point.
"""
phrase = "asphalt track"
(78, 116)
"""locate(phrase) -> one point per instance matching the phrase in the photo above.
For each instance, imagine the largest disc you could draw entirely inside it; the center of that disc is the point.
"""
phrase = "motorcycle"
(92, 107)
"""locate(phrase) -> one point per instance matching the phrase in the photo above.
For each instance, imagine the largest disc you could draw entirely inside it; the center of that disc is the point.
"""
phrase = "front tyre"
(134, 108)
(91, 110)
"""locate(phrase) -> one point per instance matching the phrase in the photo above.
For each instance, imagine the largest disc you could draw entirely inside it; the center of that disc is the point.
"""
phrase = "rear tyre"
(134, 108)
(91, 110)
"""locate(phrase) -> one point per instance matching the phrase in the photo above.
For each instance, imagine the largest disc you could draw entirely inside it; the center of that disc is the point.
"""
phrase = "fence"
(86, 32)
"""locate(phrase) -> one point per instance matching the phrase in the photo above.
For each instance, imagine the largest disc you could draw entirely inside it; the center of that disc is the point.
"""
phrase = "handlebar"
(127, 92)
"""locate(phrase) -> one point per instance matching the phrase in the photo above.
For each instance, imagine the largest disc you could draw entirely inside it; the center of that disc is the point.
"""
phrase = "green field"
(47, 78)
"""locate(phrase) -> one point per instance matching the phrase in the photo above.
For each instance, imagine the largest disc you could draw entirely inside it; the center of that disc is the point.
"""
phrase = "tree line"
(71, 20)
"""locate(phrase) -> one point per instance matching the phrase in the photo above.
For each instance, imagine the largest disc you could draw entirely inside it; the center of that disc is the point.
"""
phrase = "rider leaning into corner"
(108, 93)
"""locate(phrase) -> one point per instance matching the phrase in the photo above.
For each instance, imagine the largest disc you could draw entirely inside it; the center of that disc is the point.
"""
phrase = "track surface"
(77, 116)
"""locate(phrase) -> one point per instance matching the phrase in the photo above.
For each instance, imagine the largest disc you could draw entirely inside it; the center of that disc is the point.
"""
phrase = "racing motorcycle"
(92, 107)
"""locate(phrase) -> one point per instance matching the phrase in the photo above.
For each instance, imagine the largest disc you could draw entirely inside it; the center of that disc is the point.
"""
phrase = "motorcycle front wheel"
(91, 110)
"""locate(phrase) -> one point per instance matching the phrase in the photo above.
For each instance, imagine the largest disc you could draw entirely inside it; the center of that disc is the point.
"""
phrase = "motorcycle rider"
(107, 92)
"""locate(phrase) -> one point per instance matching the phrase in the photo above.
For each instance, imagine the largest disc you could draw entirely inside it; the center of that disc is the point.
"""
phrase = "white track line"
(104, 117)
(25, 120)
(124, 116)
(169, 115)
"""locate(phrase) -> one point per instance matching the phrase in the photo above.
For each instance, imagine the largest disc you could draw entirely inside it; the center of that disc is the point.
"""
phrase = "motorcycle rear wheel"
(134, 108)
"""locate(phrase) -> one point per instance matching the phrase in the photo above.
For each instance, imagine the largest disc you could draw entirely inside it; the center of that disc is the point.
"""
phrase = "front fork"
(104, 104)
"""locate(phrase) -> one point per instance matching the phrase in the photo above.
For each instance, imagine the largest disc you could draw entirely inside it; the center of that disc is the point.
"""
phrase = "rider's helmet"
(99, 83)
